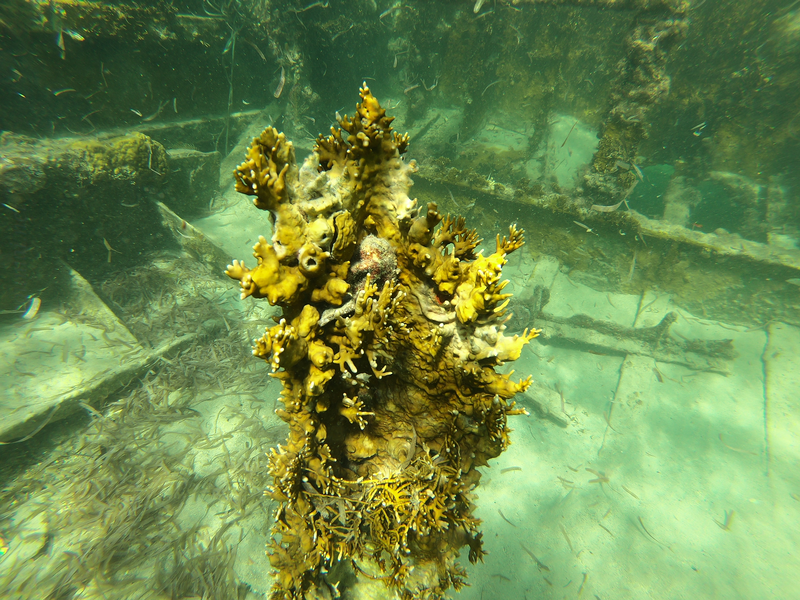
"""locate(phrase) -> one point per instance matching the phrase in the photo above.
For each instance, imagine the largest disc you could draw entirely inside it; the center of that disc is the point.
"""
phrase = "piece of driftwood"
(50, 365)
(603, 337)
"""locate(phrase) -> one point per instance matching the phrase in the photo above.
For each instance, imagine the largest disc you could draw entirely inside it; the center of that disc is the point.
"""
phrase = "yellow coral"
(370, 138)
(480, 292)
(280, 284)
(316, 380)
(506, 349)
(264, 173)
(285, 344)
(320, 355)
(332, 292)
(392, 327)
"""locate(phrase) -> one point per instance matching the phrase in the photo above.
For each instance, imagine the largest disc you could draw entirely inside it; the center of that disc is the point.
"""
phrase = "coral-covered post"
(391, 329)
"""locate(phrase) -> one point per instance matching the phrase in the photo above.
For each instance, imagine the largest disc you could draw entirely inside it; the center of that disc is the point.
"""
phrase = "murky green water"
(649, 150)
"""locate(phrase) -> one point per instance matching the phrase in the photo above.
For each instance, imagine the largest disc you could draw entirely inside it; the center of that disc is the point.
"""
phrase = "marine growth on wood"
(391, 329)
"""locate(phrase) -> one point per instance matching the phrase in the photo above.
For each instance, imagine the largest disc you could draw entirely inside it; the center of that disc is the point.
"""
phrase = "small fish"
(697, 130)
(229, 45)
(606, 528)
(638, 172)
(650, 535)
(539, 563)
(60, 44)
(630, 492)
(389, 11)
(603, 208)
(478, 4)
(9, 207)
(64, 91)
(175, 105)
(136, 112)
(586, 227)
(505, 518)
(621, 164)
(281, 83)
(74, 35)
(33, 308)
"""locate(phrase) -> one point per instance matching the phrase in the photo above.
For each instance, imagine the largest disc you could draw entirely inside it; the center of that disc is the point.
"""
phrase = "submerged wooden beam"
(52, 365)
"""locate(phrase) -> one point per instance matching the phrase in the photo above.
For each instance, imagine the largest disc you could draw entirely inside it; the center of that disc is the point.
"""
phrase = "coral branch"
(264, 173)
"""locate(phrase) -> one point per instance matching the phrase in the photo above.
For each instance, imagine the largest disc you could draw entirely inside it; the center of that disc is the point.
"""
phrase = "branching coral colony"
(386, 349)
